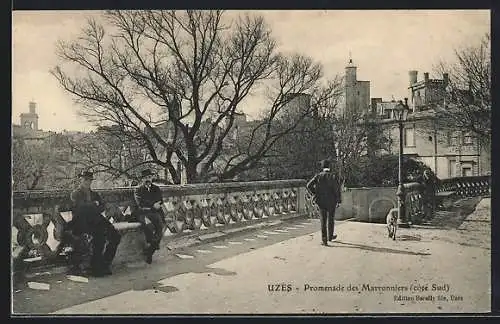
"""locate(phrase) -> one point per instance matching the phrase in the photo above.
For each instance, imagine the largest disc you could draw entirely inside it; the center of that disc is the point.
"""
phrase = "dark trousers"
(327, 223)
(104, 244)
(154, 230)
(82, 251)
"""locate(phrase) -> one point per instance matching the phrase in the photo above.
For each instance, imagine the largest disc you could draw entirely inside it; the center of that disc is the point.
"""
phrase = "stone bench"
(131, 245)
(40, 218)
(132, 242)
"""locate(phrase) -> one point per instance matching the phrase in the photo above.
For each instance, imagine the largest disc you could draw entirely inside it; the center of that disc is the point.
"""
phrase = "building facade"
(448, 152)
(28, 130)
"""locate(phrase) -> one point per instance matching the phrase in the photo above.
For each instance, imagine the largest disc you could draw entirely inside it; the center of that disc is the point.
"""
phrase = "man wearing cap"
(87, 218)
(149, 198)
(325, 187)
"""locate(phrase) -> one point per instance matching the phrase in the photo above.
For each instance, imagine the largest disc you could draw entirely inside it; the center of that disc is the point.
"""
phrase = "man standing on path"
(149, 199)
(429, 194)
(325, 187)
(87, 219)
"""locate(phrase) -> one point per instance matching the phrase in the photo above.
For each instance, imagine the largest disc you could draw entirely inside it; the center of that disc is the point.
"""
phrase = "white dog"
(392, 222)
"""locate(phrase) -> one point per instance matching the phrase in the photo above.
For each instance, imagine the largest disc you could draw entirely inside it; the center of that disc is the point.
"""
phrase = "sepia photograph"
(241, 162)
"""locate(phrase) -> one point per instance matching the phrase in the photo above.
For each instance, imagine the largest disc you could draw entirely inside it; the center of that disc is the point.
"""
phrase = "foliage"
(110, 154)
(342, 138)
(40, 164)
(383, 171)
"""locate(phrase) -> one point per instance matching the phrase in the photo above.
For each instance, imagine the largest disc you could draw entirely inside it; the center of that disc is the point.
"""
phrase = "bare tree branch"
(172, 82)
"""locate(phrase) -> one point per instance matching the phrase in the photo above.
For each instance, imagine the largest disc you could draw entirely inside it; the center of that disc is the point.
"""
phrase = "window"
(452, 138)
(466, 172)
(467, 139)
(409, 137)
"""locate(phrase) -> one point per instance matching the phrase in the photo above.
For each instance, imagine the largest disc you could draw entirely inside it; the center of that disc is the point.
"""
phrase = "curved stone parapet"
(41, 217)
(414, 202)
(466, 186)
(379, 207)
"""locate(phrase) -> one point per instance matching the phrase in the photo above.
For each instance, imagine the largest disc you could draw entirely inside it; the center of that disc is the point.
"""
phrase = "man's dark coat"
(325, 186)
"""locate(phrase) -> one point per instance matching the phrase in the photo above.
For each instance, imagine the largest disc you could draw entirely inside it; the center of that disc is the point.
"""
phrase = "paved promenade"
(286, 270)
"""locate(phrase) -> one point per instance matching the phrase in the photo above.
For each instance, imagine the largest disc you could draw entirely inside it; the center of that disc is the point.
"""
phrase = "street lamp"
(401, 113)
(339, 165)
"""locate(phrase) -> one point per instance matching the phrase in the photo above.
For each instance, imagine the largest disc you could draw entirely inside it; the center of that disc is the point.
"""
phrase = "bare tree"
(468, 94)
(310, 139)
(187, 71)
(112, 154)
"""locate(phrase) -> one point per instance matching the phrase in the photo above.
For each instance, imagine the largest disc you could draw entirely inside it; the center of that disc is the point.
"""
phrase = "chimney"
(413, 77)
(426, 76)
(446, 79)
(32, 107)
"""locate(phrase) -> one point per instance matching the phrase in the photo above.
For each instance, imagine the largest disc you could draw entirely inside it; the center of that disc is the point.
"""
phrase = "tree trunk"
(191, 174)
(35, 181)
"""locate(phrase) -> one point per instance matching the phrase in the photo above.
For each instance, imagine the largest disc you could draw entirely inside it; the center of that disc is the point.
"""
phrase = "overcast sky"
(384, 45)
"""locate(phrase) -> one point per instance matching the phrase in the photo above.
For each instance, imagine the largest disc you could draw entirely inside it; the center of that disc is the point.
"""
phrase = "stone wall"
(39, 218)
(367, 204)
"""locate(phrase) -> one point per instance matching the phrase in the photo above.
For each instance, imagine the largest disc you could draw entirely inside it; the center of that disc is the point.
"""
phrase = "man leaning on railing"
(428, 182)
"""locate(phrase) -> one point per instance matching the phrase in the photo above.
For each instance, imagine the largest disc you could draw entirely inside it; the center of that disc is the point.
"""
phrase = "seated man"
(81, 254)
(87, 219)
(149, 199)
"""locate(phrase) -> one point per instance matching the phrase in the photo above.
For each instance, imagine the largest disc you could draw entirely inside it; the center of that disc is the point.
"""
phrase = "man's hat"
(145, 173)
(86, 175)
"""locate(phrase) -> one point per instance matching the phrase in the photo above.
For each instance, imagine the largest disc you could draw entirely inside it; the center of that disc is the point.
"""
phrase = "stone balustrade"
(466, 186)
(40, 217)
(414, 202)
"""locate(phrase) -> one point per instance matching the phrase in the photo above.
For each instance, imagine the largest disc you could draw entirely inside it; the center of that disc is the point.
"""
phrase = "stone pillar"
(301, 200)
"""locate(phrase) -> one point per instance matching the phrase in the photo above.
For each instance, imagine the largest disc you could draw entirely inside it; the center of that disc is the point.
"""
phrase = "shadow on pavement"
(408, 238)
(152, 283)
(167, 289)
(148, 284)
(377, 249)
(477, 220)
(217, 271)
(427, 226)
(456, 215)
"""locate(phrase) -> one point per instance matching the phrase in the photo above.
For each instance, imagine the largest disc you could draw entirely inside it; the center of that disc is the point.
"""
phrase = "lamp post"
(339, 165)
(401, 113)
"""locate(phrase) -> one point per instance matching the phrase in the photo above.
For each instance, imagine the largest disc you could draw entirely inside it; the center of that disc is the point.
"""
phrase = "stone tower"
(357, 93)
(30, 120)
(350, 87)
(350, 74)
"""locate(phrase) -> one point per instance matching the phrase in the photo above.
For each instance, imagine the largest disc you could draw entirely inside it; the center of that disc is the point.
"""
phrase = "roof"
(27, 133)
(387, 104)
